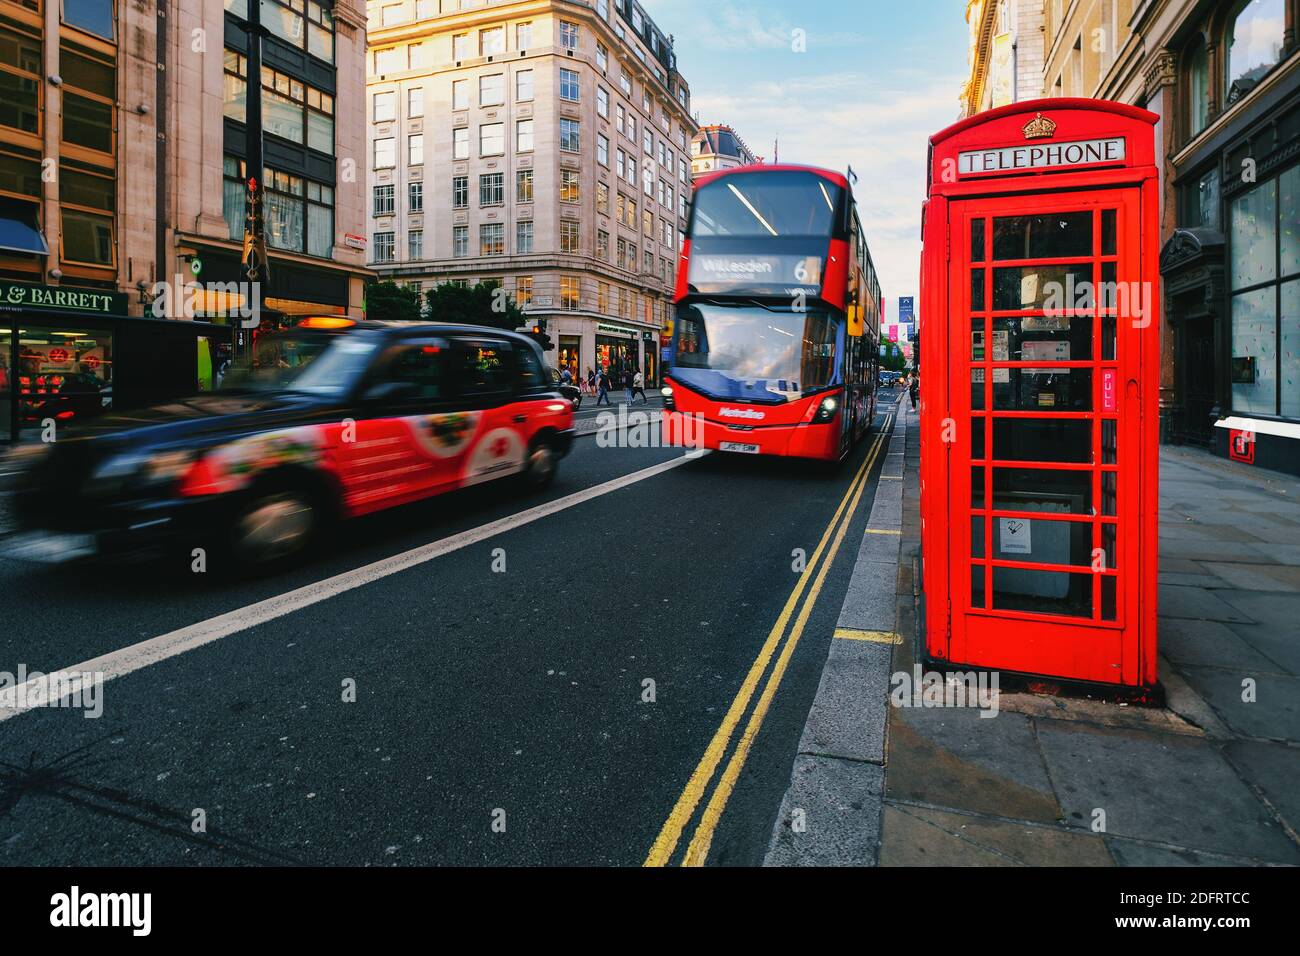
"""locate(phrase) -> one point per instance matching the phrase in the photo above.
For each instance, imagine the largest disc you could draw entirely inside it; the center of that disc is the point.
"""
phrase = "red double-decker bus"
(774, 346)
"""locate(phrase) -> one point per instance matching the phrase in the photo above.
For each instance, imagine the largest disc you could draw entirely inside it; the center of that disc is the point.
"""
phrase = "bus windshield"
(778, 204)
(752, 354)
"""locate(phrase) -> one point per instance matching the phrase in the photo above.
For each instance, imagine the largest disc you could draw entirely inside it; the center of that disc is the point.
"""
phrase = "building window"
(492, 139)
(492, 90)
(524, 136)
(602, 199)
(523, 291)
(524, 86)
(415, 197)
(460, 47)
(524, 36)
(87, 201)
(93, 16)
(569, 191)
(1254, 39)
(602, 58)
(384, 247)
(570, 297)
(602, 102)
(234, 90)
(524, 186)
(460, 94)
(385, 153)
(569, 89)
(568, 35)
(524, 237)
(492, 189)
(492, 41)
(602, 297)
(570, 140)
(570, 243)
(89, 92)
(415, 102)
(602, 150)
(383, 205)
(415, 149)
(460, 192)
(492, 239)
(1265, 276)
(384, 107)
(625, 83)
(460, 143)
(459, 241)
(415, 245)
(602, 246)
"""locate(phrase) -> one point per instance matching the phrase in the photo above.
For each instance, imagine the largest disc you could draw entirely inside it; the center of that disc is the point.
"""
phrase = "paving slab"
(1128, 853)
(1163, 789)
(1279, 611)
(1274, 769)
(1210, 643)
(1282, 646)
(1253, 577)
(1199, 604)
(1274, 713)
(840, 804)
(954, 758)
(923, 836)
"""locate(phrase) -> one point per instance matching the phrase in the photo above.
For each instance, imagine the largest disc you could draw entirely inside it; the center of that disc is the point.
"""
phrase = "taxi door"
(406, 440)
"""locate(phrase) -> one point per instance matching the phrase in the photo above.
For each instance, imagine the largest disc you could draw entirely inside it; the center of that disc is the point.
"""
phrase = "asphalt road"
(500, 716)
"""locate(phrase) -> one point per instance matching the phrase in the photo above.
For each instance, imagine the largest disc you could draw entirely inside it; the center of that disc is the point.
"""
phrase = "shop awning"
(19, 228)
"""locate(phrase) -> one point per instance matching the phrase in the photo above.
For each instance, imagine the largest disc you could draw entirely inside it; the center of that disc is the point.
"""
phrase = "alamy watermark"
(73, 690)
(955, 689)
(626, 429)
(190, 299)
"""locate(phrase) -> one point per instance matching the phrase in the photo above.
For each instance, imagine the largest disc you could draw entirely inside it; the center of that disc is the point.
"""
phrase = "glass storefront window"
(1254, 236)
(65, 376)
(1254, 351)
(1289, 208)
(1290, 345)
(1265, 302)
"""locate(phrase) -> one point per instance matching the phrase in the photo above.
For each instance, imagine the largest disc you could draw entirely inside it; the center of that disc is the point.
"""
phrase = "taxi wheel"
(539, 466)
(273, 527)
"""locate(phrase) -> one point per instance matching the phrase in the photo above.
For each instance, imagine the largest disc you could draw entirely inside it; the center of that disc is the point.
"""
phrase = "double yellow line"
(684, 810)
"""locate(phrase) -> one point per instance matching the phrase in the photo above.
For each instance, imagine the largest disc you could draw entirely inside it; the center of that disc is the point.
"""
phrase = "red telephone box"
(1039, 357)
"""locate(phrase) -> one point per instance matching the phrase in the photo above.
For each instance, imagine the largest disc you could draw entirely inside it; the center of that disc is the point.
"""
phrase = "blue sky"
(877, 79)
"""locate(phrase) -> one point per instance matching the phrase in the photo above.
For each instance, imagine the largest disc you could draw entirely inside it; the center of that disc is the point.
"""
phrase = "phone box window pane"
(1055, 236)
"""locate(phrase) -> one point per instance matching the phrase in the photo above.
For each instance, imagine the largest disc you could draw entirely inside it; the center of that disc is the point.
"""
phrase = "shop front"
(1232, 287)
(617, 351)
(68, 355)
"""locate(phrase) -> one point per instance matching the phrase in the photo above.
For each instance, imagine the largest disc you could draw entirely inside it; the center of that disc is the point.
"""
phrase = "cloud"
(879, 125)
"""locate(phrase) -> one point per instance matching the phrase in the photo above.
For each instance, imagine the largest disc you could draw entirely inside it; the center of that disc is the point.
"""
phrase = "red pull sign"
(1109, 403)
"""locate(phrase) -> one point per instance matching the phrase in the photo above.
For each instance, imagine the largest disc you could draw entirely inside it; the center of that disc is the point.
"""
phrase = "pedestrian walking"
(566, 376)
(627, 383)
(638, 388)
(914, 388)
(602, 389)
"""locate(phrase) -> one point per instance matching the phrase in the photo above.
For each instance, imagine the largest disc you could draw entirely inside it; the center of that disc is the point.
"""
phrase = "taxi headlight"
(143, 469)
(27, 456)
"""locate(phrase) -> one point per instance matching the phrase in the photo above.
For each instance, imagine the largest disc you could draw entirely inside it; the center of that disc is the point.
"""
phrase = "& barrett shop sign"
(21, 297)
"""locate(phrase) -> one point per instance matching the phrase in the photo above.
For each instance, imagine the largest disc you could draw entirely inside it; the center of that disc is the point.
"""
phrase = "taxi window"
(530, 368)
(483, 367)
(419, 364)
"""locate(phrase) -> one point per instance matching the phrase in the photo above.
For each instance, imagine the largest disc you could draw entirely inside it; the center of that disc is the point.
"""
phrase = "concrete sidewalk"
(1057, 781)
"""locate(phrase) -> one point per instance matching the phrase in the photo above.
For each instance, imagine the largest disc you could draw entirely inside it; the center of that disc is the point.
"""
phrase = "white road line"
(44, 690)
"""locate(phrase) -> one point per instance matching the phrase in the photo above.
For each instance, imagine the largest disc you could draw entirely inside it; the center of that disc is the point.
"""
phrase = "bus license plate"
(738, 448)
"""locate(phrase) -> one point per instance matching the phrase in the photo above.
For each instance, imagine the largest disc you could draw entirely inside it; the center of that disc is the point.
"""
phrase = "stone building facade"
(539, 144)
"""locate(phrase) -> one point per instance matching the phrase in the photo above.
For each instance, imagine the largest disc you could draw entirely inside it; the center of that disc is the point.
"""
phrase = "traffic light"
(538, 334)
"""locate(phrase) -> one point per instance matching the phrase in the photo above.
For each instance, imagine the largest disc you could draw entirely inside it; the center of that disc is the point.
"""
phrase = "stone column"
(1162, 97)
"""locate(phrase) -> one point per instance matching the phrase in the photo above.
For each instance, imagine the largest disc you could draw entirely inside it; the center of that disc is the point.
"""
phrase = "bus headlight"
(826, 411)
(667, 393)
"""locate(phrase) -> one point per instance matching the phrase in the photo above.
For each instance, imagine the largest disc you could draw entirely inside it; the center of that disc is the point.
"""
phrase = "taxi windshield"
(337, 369)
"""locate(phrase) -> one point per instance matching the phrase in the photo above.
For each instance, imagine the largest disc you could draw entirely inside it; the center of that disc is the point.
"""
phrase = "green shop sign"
(15, 296)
